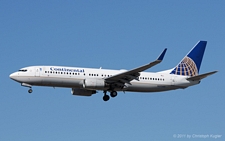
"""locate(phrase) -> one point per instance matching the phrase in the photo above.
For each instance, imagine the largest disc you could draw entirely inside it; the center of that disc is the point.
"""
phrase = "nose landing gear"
(30, 90)
(29, 86)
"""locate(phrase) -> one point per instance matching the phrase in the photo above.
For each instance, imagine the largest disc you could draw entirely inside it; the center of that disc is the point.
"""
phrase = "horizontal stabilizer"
(199, 77)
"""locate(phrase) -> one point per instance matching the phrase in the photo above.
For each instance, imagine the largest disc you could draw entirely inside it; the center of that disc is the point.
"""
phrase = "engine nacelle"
(98, 84)
(82, 92)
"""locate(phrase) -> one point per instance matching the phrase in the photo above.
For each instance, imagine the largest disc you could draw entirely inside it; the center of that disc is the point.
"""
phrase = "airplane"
(87, 81)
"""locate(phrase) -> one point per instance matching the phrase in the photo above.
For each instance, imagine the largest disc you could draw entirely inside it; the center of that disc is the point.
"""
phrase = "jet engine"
(98, 84)
(82, 92)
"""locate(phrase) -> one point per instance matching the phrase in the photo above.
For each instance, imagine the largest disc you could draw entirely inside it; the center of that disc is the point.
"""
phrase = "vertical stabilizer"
(190, 64)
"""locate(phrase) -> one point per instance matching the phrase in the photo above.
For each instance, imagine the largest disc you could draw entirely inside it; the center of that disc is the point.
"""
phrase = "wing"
(127, 76)
(201, 76)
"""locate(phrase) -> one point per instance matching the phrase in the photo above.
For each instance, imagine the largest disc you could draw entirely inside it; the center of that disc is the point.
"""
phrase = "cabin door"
(173, 80)
(38, 71)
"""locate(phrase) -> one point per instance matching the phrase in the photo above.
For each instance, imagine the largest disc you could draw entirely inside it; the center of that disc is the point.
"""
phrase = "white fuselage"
(87, 81)
(73, 77)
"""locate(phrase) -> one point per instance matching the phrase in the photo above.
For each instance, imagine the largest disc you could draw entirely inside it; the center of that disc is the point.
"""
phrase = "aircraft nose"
(13, 75)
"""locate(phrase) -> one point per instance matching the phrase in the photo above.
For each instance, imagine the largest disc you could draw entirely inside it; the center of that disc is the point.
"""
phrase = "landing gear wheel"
(106, 97)
(30, 91)
(113, 94)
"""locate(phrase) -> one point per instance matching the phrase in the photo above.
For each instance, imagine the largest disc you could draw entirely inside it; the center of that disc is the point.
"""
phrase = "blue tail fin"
(190, 64)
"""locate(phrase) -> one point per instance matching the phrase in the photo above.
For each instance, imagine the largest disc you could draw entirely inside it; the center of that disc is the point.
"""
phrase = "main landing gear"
(112, 94)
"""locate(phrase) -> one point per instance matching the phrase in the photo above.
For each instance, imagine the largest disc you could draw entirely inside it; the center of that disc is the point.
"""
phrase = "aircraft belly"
(142, 87)
(149, 87)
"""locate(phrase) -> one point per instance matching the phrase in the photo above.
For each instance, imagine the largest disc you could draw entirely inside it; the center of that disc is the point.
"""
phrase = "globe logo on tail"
(187, 67)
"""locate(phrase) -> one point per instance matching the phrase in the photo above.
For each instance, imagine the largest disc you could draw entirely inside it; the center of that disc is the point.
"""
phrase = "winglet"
(161, 56)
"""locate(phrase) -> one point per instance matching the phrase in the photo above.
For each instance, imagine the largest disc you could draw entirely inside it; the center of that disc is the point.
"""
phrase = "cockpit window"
(23, 70)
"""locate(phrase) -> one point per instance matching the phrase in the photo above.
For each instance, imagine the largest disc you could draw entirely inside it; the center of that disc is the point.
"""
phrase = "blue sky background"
(113, 35)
